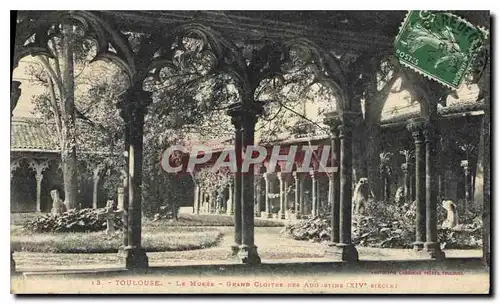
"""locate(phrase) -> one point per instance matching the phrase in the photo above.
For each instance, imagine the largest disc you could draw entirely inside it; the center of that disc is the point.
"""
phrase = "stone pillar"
(348, 251)
(297, 193)
(301, 193)
(38, 167)
(345, 249)
(467, 183)
(120, 196)
(136, 108)
(314, 197)
(248, 250)
(335, 180)
(406, 182)
(210, 202)
(258, 193)
(124, 113)
(267, 213)
(416, 126)
(237, 123)
(196, 198)
(97, 177)
(431, 173)
(230, 200)
(281, 213)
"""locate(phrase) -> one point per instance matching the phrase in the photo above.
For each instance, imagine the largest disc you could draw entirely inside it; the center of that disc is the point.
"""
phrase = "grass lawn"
(215, 220)
(153, 240)
(189, 232)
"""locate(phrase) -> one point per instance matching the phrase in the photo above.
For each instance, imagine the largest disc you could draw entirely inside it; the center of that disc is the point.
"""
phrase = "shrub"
(83, 220)
(386, 225)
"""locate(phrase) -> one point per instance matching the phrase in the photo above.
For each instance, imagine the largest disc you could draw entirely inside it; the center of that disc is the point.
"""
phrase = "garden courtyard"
(190, 240)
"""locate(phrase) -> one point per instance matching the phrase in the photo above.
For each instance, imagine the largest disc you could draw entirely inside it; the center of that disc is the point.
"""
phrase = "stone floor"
(273, 247)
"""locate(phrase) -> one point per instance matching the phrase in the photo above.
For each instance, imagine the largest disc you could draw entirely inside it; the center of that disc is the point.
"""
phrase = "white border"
(214, 5)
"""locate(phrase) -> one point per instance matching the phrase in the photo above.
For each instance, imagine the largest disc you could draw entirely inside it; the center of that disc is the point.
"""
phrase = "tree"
(81, 106)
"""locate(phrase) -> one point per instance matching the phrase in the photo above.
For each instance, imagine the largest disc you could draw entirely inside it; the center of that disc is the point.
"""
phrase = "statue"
(451, 214)
(398, 198)
(360, 196)
(58, 206)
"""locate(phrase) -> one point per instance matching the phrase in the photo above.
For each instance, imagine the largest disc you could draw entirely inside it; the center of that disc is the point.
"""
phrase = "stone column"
(281, 213)
(237, 123)
(38, 167)
(248, 250)
(348, 251)
(297, 193)
(406, 191)
(465, 165)
(314, 197)
(125, 115)
(210, 202)
(416, 126)
(97, 177)
(267, 213)
(195, 198)
(336, 188)
(136, 106)
(302, 179)
(230, 200)
(431, 244)
(258, 193)
(120, 197)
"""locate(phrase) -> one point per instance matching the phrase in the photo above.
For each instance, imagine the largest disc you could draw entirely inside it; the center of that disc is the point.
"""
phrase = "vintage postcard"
(222, 152)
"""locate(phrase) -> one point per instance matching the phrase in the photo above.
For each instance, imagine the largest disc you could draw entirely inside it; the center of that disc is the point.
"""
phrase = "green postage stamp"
(439, 45)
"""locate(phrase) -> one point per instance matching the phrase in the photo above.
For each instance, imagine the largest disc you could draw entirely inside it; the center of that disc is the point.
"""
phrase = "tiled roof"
(28, 134)
(461, 106)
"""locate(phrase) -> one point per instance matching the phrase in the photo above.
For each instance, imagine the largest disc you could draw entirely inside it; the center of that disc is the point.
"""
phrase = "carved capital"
(279, 175)
(404, 167)
(312, 174)
(98, 170)
(333, 120)
(244, 115)
(465, 164)
(266, 176)
(134, 104)
(38, 167)
(14, 165)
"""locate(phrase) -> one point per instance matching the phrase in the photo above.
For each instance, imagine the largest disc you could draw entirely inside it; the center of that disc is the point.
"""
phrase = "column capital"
(418, 124)
(312, 174)
(98, 170)
(333, 121)
(14, 165)
(465, 164)
(134, 102)
(244, 113)
(295, 175)
(38, 167)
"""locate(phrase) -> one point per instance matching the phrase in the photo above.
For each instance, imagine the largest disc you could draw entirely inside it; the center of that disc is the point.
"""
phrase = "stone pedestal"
(135, 258)
(264, 214)
(342, 252)
(249, 255)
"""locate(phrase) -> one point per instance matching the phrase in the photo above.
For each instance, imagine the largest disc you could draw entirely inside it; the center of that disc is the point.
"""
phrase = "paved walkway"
(273, 246)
